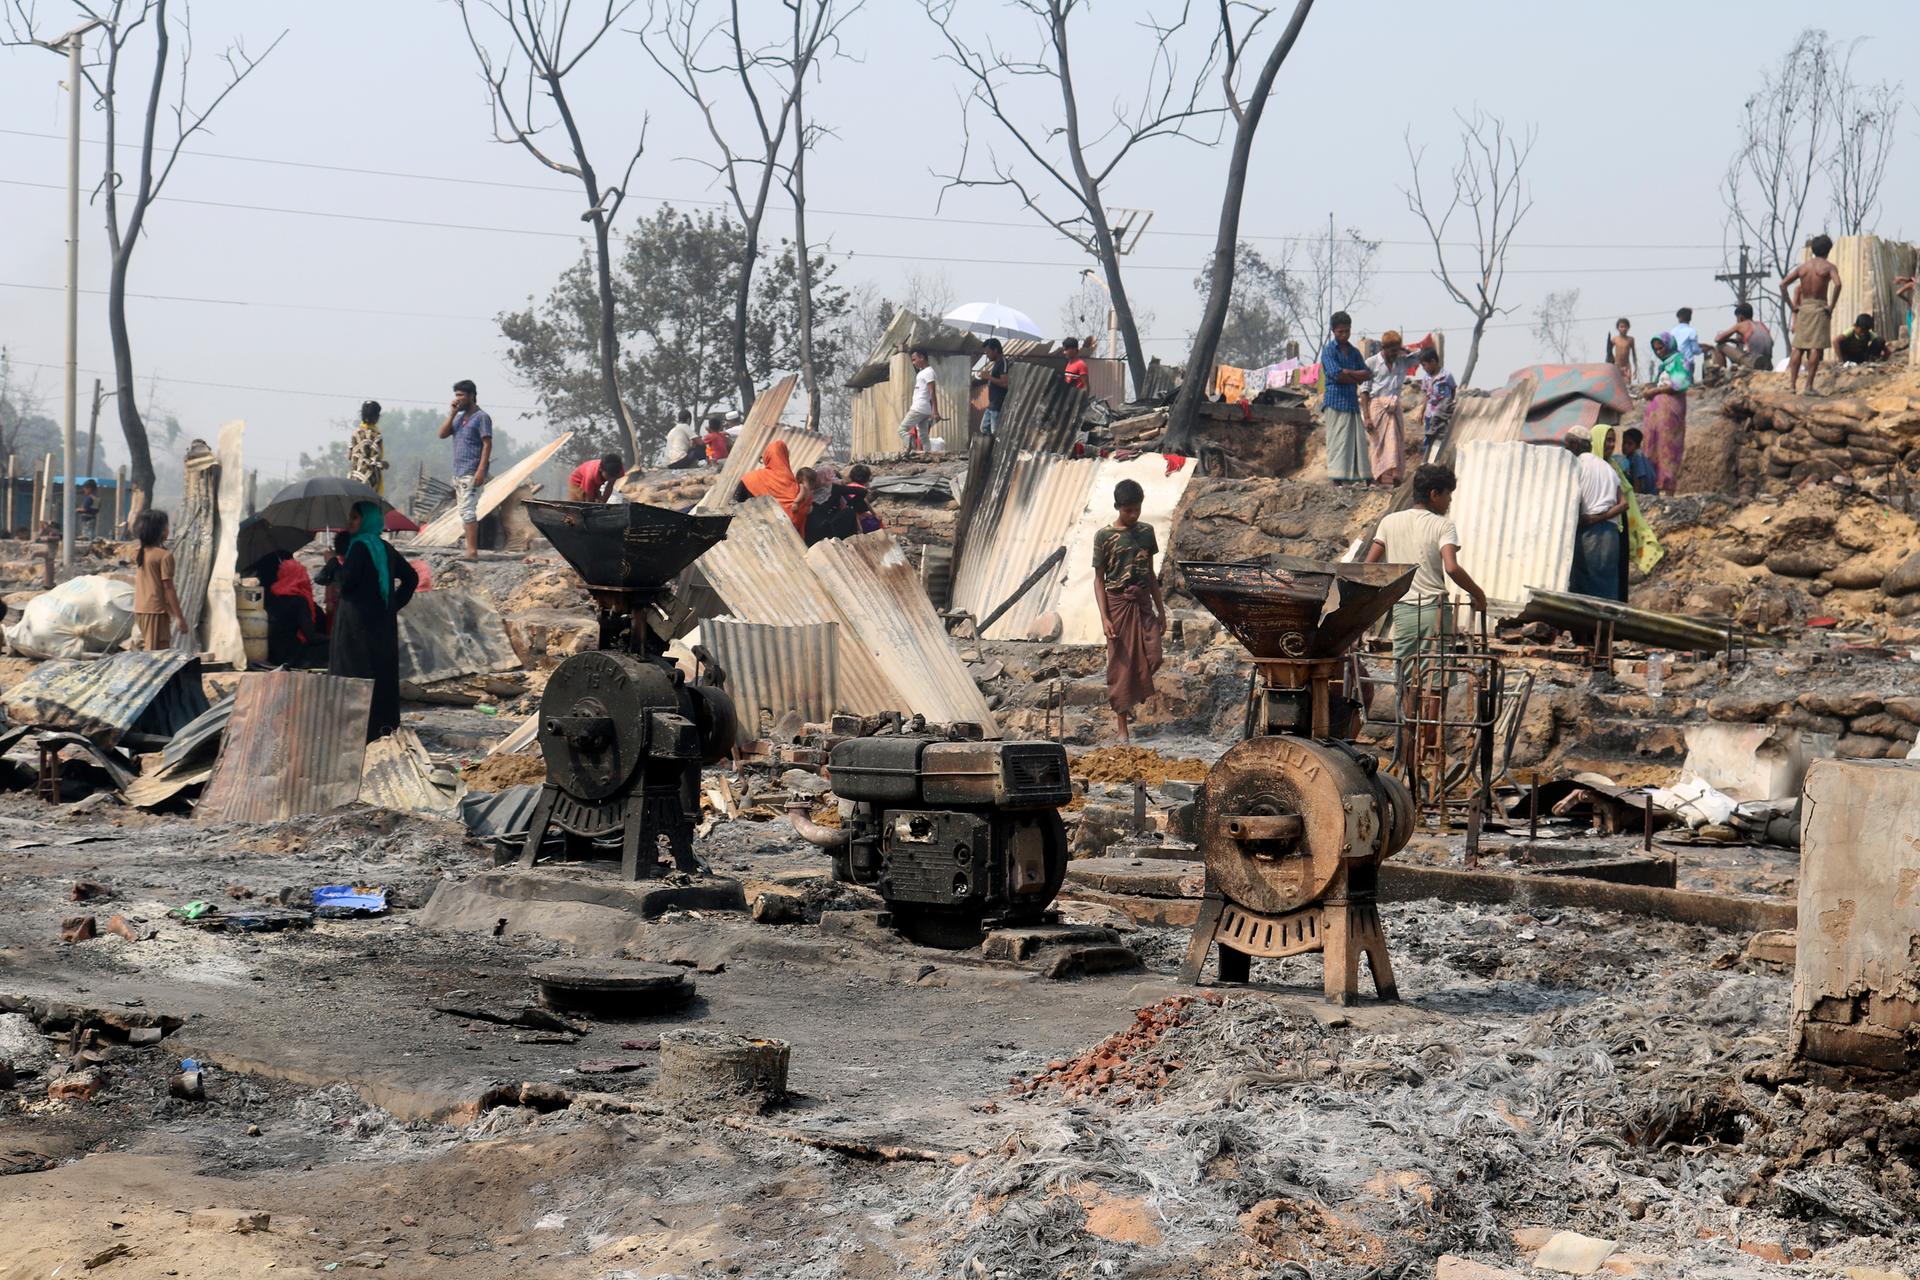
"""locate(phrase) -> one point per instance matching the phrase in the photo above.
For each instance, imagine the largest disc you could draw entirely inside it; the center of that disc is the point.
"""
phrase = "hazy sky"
(334, 298)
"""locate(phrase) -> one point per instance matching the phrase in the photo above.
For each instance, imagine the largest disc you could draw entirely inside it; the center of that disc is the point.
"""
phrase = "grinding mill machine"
(1294, 820)
(621, 729)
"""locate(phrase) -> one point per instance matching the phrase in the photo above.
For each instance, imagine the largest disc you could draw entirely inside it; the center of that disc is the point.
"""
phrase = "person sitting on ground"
(716, 440)
(1745, 344)
(1424, 536)
(683, 449)
(865, 518)
(1860, 344)
(154, 601)
(1638, 467)
(296, 636)
(593, 480)
(829, 515)
(1597, 548)
(774, 478)
(1132, 611)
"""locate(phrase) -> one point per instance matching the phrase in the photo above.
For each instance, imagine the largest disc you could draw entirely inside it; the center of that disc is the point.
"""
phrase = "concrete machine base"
(581, 907)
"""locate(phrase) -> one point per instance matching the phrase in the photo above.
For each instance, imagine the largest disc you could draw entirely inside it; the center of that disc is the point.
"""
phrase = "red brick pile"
(1126, 1064)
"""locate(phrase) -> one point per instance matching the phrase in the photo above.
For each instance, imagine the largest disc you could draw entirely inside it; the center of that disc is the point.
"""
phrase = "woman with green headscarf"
(375, 584)
(1643, 549)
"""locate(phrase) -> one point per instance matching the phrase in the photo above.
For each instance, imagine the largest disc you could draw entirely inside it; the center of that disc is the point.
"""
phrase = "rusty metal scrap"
(296, 744)
(154, 693)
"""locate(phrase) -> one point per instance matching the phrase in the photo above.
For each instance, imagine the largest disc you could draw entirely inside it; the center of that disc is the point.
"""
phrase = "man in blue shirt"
(1343, 369)
(1686, 339)
(471, 430)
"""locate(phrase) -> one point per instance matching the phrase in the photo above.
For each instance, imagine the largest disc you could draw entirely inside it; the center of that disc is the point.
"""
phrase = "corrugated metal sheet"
(1107, 380)
(448, 529)
(222, 619)
(908, 330)
(1517, 509)
(760, 575)
(185, 762)
(1074, 600)
(148, 692)
(295, 745)
(398, 775)
(520, 738)
(890, 617)
(1572, 395)
(773, 670)
(1496, 416)
(1044, 497)
(1867, 266)
(1581, 614)
(756, 433)
(445, 633)
(880, 406)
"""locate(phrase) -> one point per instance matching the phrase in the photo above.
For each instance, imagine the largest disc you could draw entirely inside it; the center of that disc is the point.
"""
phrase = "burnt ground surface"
(1612, 1075)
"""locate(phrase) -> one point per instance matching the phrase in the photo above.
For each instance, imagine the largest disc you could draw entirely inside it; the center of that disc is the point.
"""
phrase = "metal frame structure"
(1444, 746)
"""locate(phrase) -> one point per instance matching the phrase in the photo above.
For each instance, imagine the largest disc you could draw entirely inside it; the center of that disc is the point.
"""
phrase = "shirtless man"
(1812, 308)
(1624, 353)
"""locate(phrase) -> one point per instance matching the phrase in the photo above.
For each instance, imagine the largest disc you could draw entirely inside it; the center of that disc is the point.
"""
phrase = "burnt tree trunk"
(1193, 387)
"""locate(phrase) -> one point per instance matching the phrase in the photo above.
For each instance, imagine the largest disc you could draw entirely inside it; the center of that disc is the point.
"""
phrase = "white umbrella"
(991, 320)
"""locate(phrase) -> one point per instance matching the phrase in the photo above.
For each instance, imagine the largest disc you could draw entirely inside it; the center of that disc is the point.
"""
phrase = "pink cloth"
(1665, 429)
(1386, 439)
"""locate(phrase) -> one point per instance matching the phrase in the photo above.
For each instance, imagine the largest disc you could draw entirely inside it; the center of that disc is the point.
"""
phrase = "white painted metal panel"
(1073, 595)
(1517, 509)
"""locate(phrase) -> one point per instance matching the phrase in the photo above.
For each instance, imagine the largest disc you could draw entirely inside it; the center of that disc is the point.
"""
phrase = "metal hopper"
(1289, 607)
(626, 546)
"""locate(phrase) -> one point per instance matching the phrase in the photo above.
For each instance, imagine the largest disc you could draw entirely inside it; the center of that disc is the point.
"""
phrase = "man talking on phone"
(472, 433)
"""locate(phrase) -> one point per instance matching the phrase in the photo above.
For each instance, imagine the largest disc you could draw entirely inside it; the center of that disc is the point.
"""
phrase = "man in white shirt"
(924, 410)
(683, 447)
(1599, 546)
(1425, 537)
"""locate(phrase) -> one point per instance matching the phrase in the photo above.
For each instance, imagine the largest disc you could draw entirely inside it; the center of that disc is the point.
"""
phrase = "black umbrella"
(257, 538)
(325, 502)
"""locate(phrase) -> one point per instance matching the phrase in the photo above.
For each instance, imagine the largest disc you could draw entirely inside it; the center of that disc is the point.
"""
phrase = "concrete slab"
(1856, 981)
(1150, 877)
(1753, 761)
(582, 907)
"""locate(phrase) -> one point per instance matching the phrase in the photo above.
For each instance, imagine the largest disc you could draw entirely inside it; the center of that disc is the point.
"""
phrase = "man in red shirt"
(594, 479)
(1076, 373)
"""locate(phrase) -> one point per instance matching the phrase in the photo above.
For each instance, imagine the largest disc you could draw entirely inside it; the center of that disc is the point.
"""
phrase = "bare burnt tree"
(1785, 127)
(1553, 323)
(126, 199)
(1863, 119)
(1246, 122)
(1329, 273)
(708, 62)
(538, 54)
(1062, 164)
(1489, 200)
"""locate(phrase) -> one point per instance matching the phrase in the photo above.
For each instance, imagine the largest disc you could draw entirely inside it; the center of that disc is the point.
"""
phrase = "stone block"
(1753, 761)
(1856, 984)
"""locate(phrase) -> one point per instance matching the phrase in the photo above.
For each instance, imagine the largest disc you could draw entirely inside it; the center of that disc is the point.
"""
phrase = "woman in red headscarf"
(775, 479)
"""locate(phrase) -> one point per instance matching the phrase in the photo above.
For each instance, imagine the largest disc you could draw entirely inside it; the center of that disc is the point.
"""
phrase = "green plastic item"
(486, 708)
(192, 911)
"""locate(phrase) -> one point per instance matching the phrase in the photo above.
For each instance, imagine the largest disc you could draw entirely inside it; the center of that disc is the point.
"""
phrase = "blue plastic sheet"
(344, 901)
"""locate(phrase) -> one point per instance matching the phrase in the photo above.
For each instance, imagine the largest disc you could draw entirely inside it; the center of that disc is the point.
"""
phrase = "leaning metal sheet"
(891, 619)
(295, 745)
(1517, 509)
(774, 670)
(1046, 495)
(446, 531)
(1079, 611)
(224, 641)
(446, 633)
(756, 433)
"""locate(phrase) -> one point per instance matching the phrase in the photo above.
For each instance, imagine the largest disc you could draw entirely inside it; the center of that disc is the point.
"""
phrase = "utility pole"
(1741, 279)
(70, 44)
(93, 428)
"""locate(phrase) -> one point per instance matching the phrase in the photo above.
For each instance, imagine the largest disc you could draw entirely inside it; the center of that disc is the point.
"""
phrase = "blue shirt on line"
(1342, 397)
(469, 429)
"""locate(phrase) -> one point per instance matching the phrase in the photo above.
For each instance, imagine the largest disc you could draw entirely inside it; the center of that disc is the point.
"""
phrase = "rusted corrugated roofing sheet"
(772, 670)
(1572, 395)
(156, 692)
(909, 330)
(891, 619)
(1043, 498)
(1517, 509)
(445, 633)
(1073, 599)
(1581, 615)
(447, 530)
(295, 744)
(1501, 415)
(756, 433)
(760, 575)
(398, 775)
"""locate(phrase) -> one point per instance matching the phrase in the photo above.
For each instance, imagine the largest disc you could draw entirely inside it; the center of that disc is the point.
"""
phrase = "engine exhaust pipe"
(799, 814)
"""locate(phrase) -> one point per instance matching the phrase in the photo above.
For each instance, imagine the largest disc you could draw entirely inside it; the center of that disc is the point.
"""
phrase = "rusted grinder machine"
(622, 731)
(955, 834)
(1294, 820)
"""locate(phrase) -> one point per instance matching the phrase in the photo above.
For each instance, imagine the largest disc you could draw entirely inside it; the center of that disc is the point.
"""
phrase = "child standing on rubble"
(154, 601)
(1132, 611)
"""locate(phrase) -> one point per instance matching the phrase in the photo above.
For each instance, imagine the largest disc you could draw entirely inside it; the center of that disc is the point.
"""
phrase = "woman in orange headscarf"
(775, 479)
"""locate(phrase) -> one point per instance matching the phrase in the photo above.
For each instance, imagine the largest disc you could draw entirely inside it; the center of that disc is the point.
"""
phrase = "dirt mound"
(1124, 764)
(508, 769)
(545, 589)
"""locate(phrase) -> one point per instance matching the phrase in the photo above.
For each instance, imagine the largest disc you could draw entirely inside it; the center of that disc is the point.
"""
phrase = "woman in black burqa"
(375, 584)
